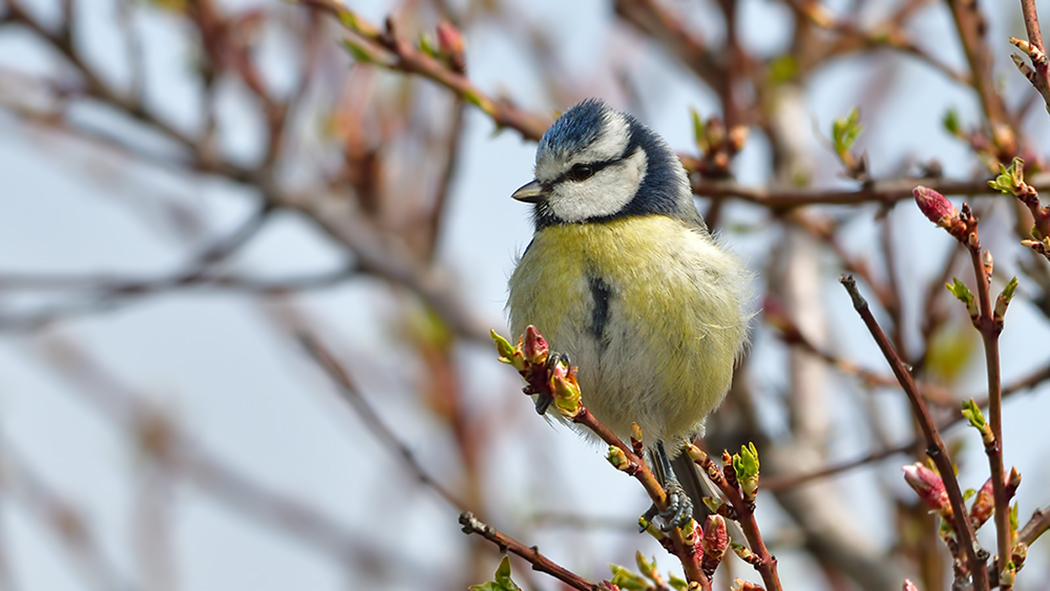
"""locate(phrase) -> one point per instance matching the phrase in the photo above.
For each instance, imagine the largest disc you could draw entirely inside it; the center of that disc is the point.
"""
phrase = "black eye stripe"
(595, 167)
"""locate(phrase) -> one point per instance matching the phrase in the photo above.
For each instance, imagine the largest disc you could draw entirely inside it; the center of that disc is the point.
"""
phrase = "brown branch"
(348, 392)
(531, 554)
(665, 27)
(990, 330)
(406, 58)
(160, 437)
(776, 483)
(972, 27)
(884, 191)
(935, 449)
(72, 529)
(791, 335)
(889, 34)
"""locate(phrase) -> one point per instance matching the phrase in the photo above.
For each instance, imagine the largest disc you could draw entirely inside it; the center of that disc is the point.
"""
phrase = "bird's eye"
(581, 172)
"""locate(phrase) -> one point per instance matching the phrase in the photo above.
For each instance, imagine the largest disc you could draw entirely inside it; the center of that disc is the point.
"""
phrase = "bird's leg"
(543, 401)
(679, 508)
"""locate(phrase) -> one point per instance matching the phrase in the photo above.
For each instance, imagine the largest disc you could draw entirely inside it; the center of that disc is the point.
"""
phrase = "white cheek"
(604, 194)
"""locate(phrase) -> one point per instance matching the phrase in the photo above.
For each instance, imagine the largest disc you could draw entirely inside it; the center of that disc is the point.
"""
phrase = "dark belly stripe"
(601, 293)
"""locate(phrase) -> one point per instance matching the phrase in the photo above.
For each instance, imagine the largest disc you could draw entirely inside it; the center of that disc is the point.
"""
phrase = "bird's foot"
(679, 508)
(678, 512)
(544, 400)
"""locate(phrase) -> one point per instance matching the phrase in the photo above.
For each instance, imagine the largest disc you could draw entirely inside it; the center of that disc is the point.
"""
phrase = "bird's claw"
(678, 512)
(543, 401)
(679, 508)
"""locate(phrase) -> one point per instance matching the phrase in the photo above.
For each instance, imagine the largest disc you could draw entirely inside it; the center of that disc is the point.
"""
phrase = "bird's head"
(595, 164)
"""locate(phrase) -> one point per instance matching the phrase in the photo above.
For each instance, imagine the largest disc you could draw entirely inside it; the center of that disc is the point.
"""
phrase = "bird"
(623, 277)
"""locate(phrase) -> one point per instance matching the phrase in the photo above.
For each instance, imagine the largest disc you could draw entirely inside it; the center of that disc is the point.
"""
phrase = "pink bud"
(930, 488)
(449, 38)
(716, 538)
(1012, 482)
(909, 586)
(983, 505)
(451, 45)
(935, 206)
(534, 346)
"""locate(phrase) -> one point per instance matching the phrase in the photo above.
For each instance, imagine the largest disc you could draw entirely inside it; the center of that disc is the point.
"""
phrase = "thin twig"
(775, 483)
(885, 191)
(935, 445)
(348, 391)
(990, 330)
(744, 514)
(539, 562)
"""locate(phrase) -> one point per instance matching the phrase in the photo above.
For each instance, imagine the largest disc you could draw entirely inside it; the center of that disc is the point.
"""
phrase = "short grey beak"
(530, 193)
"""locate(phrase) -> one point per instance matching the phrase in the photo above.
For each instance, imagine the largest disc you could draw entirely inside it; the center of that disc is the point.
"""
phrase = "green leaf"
(1010, 179)
(678, 584)
(698, 130)
(951, 122)
(745, 464)
(502, 581)
(973, 413)
(783, 69)
(968, 494)
(964, 295)
(844, 131)
(625, 579)
(427, 46)
(359, 52)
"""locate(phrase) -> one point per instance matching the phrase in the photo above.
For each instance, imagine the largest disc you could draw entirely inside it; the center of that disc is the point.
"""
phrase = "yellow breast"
(647, 307)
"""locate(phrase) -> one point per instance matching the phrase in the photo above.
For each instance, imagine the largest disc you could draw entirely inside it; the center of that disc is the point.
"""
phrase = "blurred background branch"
(191, 185)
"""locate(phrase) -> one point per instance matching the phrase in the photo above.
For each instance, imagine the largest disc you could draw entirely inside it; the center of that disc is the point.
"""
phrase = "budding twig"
(935, 449)
(1038, 72)
(554, 382)
(539, 562)
(741, 499)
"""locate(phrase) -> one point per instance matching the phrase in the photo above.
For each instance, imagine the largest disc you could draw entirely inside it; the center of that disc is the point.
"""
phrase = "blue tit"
(623, 276)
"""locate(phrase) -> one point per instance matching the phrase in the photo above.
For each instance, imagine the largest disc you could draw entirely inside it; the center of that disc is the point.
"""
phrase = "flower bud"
(714, 543)
(565, 390)
(909, 586)
(534, 347)
(935, 206)
(930, 488)
(1012, 482)
(618, 459)
(983, 505)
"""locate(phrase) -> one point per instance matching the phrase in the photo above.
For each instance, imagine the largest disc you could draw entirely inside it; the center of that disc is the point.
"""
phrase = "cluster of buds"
(930, 488)
(936, 207)
(1039, 72)
(738, 474)
(548, 378)
(717, 145)
(1010, 182)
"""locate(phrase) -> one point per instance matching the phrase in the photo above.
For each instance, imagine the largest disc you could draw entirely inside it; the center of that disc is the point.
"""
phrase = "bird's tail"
(697, 487)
